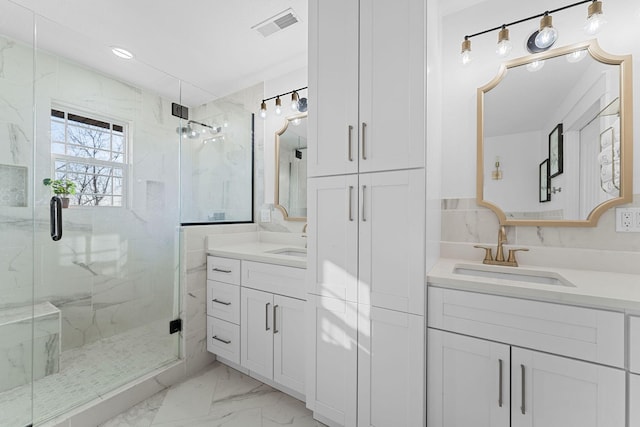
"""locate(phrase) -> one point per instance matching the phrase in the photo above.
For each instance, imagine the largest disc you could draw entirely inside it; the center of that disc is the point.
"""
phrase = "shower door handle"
(55, 218)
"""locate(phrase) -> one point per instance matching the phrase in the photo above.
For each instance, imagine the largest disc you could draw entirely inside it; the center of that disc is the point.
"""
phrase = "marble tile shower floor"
(88, 372)
(217, 397)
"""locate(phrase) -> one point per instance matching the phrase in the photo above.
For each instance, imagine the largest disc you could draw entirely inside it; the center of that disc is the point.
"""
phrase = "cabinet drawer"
(634, 344)
(225, 270)
(223, 339)
(223, 301)
(277, 279)
(583, 333)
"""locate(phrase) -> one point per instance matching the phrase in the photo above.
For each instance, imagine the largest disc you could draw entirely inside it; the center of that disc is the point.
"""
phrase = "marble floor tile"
(218, 396)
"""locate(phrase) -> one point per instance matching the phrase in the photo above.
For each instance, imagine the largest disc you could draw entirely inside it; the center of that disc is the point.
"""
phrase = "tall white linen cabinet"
(366, 210)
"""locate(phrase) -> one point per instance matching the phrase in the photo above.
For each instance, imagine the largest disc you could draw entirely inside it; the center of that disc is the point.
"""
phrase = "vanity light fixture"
(504, 44)
(595, 18)
(465, 53)
(541, 39)
(121, 52)
(296, 102)
(278, 106)
(547, 35)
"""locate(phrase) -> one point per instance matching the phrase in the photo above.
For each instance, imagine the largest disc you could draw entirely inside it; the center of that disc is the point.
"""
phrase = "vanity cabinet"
(558, 365)
(366, 85)
(634, 400)
(469, 385)
(255, 319)
(272, 330)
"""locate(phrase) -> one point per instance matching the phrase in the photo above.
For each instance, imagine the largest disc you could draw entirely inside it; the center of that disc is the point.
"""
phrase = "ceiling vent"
(276, 23)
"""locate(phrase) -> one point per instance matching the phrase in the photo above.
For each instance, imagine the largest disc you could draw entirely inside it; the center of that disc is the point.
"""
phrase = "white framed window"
(91, 152)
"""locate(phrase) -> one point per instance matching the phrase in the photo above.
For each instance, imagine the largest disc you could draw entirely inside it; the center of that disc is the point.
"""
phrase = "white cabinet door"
(634, 400)
(392, 88)
(391, 368)
(333, 87)
(553, 391)
(256, 331)
(391, 249)
(288, 342)
(332, 352)
(467, 381)
(333, 237)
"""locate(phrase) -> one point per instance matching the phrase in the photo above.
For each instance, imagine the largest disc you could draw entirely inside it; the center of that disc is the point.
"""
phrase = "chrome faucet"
(499, 259)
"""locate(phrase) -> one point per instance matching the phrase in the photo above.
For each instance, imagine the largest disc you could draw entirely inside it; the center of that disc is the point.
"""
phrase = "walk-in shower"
(85, 313)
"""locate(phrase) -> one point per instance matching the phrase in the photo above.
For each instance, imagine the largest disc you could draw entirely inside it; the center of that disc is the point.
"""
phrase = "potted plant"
(61, 188)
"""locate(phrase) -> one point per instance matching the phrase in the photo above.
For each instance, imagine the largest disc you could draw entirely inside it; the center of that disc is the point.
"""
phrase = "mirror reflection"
(291, 168)
(564, 108)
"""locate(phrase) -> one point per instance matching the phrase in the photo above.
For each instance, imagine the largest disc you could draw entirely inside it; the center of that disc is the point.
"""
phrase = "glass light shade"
(594, 24)
(535, 65)
(504, 48)
(263, 110)
(278, 106)
(294, 101)
(465, 54)
(547, 34)
(576, 56)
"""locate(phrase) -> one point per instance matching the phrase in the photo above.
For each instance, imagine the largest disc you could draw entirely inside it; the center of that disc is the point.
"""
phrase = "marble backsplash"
(465, 223)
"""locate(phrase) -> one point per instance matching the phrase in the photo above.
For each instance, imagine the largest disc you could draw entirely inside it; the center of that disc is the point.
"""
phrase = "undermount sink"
(297, 252)
(512, 273)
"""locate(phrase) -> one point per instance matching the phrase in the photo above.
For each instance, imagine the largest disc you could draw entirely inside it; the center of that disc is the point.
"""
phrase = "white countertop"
(606, 290)
(256, 247)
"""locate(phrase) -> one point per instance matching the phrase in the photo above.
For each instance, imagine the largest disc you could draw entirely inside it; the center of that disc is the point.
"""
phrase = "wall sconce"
(497, 173)
(297, 103)
(542, 39)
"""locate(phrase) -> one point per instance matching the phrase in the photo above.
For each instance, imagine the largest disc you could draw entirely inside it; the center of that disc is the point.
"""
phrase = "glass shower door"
(106, 266)
(16, 216)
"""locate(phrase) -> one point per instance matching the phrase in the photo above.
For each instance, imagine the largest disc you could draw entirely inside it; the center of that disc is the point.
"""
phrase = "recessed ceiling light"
(121, 53)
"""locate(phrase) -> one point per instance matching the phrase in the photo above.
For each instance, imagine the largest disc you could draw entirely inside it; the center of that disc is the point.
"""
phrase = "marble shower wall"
(115, 268)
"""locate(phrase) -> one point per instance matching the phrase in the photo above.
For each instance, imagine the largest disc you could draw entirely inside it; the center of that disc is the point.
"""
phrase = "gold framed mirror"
(291, 168)
(571, 106)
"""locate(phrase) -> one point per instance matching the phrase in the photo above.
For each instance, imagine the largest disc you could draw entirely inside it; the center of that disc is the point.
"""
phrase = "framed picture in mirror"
(545, 182)
(555, 151)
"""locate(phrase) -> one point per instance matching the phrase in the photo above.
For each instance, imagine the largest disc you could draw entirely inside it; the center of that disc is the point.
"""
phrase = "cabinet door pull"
(522, 407)
(215, 337)
(266, 316)
(275, 328)
(364, 218)
(364, 145)
(350, 203)
(500, 383)
(220, 302)
(350, 139)
(220, 270)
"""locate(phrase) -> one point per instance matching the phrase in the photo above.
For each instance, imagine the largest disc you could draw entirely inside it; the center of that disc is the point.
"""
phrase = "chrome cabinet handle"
(364, 152)
(364, 218)
(522, 407)
(350, 203)
(500, 383)
(220, 302)
(350, 139)
(266, 316)
(215, 337)
(275, 329)
(219, 270)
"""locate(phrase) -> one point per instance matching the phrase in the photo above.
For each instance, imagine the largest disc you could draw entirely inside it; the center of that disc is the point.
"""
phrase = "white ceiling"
(207, 44)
